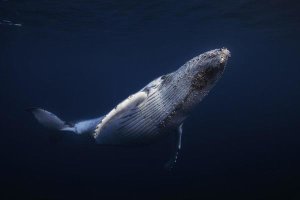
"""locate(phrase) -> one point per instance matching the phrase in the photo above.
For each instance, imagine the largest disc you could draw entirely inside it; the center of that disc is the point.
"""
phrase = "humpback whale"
(158, 109)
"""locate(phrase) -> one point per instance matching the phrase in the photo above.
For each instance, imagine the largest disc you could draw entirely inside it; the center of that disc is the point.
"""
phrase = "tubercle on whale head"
(225, 54)
(214, 58)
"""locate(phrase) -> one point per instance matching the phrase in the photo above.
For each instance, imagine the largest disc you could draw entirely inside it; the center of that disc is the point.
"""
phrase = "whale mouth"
(226, 52)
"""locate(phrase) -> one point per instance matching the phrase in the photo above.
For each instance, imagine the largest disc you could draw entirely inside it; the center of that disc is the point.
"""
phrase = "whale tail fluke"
(50, 120)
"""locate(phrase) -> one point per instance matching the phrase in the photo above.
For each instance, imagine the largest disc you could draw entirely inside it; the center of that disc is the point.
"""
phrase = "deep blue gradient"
(80, 58)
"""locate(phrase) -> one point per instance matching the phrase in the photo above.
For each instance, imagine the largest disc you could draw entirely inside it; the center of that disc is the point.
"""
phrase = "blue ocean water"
(80, 58)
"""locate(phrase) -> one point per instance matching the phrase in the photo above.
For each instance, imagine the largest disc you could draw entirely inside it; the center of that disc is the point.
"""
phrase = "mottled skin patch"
(203, 78)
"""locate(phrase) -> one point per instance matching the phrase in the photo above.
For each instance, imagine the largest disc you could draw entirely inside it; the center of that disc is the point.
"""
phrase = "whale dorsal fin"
(112, 120)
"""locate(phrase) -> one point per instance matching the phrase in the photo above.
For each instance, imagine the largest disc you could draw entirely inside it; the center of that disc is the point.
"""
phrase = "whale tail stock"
(52, 121)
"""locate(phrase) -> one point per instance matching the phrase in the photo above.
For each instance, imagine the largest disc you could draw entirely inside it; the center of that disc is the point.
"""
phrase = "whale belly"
(144, 121)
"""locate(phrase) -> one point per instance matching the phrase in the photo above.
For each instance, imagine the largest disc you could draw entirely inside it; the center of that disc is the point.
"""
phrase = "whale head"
(198, 76)
(205, 69)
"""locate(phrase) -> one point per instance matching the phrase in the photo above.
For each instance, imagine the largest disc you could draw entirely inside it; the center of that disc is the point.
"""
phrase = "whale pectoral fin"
(106, 131)
(171, 163)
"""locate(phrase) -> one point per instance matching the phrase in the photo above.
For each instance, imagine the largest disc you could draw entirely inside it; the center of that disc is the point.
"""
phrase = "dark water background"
(80, 58)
